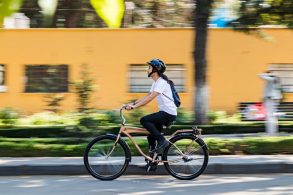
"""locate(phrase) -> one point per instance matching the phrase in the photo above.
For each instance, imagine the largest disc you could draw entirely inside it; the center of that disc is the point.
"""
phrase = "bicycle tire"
(98, 165)
(184, 164)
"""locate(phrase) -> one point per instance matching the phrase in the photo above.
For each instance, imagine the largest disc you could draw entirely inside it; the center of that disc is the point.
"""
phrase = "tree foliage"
(110, 11)
(8, 7)
(254, 13)
(91, 13)
(147, 13)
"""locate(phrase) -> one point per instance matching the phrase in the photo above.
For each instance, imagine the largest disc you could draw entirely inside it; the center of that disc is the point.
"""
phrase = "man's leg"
(152, 142)
(154, 123)
(152, 139)
(151, 123)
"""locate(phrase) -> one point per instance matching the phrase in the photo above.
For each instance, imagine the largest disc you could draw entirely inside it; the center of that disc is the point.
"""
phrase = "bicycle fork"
(115, 144)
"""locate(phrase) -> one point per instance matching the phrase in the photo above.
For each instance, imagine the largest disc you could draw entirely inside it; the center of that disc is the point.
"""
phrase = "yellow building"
(115, 59)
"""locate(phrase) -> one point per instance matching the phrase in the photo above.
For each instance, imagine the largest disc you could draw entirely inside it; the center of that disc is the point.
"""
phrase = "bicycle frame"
(127, 131)
(185, 146)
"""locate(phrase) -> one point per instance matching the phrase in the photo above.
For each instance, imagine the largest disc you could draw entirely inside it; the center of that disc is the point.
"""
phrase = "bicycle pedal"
(148, 168)
(151, 167)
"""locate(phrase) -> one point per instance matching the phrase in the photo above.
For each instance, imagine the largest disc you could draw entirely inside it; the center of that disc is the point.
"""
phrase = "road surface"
(265, 184)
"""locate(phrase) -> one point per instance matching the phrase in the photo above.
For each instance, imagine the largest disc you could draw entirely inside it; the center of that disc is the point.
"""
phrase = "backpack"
(176, 98)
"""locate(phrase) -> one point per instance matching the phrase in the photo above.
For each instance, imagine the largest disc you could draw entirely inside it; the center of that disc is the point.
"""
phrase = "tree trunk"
(202, 13)
(74, 15)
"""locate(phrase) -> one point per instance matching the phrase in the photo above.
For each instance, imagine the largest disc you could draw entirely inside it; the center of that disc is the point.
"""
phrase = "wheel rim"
(186, 158)
(104, 161)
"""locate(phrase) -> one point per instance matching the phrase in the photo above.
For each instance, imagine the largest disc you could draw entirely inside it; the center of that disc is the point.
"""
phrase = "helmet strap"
(153, 71)
(149, 75)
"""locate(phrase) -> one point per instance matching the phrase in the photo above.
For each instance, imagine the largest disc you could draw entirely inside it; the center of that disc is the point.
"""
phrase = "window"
(140, 83)
(46, 78)
(285, 72)
(3, 88)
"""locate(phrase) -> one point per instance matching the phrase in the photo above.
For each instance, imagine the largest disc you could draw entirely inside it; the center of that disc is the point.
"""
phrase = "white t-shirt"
(164, 103)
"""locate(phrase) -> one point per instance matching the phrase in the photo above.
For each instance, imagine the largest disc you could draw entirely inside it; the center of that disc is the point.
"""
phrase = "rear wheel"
(187, 157)
(106, 160)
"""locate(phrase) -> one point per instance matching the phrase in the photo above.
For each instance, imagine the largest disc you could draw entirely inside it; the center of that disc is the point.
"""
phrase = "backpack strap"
(168, 97)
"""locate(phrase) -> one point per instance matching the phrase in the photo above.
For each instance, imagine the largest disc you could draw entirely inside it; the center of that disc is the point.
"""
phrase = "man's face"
(150, 69)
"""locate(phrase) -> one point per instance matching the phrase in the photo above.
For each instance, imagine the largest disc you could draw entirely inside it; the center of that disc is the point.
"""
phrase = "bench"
(254, 111)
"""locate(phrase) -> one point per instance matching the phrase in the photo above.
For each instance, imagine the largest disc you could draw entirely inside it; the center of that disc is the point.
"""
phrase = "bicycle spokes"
(106, 158)
(186, 157)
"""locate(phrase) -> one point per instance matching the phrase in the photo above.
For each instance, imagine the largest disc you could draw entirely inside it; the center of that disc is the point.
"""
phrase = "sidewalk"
(228, 164)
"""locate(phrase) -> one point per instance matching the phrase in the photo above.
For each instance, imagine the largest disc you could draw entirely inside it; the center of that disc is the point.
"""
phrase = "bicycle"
(107, 156)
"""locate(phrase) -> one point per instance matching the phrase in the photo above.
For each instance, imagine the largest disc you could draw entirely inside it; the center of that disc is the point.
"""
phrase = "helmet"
(158, 65)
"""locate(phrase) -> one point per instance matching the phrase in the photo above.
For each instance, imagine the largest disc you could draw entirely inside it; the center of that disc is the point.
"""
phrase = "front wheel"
(106, 160)
(187, 157)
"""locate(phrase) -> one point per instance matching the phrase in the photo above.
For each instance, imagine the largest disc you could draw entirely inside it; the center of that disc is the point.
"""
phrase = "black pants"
(154, 124)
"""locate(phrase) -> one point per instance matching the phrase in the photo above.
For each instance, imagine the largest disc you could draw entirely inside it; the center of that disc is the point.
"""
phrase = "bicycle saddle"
(167, 125)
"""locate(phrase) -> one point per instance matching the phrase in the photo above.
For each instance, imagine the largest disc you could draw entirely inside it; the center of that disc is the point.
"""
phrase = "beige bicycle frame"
(130, 130)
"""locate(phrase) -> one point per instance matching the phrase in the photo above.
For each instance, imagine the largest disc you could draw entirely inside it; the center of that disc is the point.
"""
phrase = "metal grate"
(46, 78)
(140, 83)
(3, 88)
(2, 74)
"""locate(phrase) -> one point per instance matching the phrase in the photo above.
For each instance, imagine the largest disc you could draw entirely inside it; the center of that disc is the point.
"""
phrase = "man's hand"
(129, 106)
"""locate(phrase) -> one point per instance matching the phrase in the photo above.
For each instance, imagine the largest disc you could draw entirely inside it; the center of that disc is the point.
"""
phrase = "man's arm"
(141, 99)
(145, 100)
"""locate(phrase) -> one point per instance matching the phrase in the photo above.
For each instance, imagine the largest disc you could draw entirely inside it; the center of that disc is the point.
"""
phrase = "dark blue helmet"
(158, 65)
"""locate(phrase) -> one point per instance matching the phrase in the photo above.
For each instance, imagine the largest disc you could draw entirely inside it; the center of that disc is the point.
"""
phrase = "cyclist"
(161, 90)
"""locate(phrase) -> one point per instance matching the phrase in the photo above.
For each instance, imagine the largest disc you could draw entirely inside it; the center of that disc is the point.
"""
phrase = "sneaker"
(160, 147)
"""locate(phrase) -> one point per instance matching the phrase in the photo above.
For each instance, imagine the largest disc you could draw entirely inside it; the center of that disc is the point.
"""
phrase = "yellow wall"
(234, 60)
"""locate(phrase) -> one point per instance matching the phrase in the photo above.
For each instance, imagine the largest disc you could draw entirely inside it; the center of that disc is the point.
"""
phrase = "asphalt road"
(268, 184)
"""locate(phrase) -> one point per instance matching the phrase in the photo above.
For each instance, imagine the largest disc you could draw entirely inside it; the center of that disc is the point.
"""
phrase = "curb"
(134, 169)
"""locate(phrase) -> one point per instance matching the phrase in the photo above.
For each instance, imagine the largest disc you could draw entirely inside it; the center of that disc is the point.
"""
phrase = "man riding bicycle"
(161, 90)
(184, 154)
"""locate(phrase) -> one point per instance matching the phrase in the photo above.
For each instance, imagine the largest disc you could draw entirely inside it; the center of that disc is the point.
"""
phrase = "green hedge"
(235, 128)
(55, 131)
(58, 147)
(13, 147)
(261, 145)
(51, 147)
(76, 131)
